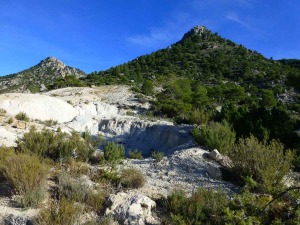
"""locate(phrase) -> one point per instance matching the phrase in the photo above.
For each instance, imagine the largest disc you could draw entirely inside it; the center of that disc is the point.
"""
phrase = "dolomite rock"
(131, 209)
(7, 138)
(215, 155)
(21, 125)
(146, 136)
(38, 107)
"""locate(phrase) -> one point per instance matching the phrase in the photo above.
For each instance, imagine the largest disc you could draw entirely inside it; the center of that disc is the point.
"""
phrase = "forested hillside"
(205, 77)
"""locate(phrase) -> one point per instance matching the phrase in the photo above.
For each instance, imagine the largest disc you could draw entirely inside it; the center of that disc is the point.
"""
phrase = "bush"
(2, 111)
(106, 176)
(132, 178)
(22, 116)
(266, 163)
(56, 146)
(10, 120)
(63, 212)
(215, 135)
(50, 123)
(204, 206)
(71, 189)
(27, 175)
(113, 152)
(147, 87)
(198, 117)
(135, 154)
(75, 191)
(157, 156)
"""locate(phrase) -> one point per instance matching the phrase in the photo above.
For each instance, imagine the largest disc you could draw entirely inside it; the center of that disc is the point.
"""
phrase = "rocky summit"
(38, 77)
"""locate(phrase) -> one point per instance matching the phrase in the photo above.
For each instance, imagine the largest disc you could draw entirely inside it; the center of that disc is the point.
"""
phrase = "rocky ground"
(114, 112)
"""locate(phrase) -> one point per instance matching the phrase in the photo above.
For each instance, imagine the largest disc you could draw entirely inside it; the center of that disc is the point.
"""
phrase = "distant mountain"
(36, 78)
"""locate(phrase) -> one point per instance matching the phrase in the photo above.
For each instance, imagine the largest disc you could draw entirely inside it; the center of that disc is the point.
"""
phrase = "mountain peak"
(51, 61)
(197, 30)
(42, 74)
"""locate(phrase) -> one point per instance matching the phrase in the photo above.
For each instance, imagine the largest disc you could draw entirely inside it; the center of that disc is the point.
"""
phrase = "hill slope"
(203, 56)
(205, 77)
(34, 78)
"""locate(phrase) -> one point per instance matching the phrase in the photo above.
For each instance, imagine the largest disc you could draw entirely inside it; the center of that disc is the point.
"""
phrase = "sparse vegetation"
(56, 146)
(135, 154)
(10, 120)
(22, 116)
(27, 176)
(215, 136)
(113, 152)
(2, 111)
(132, 178)
(50, 123)
(203, 207)
(266, 163)
(61, 212)
(157, 156)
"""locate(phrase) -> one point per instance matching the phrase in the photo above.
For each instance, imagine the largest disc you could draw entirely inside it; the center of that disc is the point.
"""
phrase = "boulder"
(224, 160)
(215, 155)
(130, 209)
(22, 125)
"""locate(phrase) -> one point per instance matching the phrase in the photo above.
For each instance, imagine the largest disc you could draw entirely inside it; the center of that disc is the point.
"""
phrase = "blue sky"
(94, 35)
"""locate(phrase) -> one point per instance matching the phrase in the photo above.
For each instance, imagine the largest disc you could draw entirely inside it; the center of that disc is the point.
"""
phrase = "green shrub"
(50, 123)
(132, 178)
(113, 152)
(135, 154)
(75, 191)
(5, 152)
(56, 146)
(266, 163)
(71, 189)
(96, 200)
(33, 198)
(198, 117)
(203, 207)
(2, 111)
(147, 87)
(27, 175)
(22, 116)
(215, 135)
(93, 141)
(63, 212)
(129, 113)
(106, 176)
(10, 120)
(157, 156)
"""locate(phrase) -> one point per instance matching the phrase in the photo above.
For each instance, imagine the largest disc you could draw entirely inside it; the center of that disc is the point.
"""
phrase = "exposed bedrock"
(146, 136)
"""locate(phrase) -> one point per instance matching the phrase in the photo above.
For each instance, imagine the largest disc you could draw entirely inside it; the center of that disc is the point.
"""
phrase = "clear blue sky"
(94, 35)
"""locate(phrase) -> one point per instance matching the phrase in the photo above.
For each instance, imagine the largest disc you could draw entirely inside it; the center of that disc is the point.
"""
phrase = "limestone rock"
(38, 107)
(130, 209)
(215, 155)
(7, 138)
(146, 135)
(21, 125)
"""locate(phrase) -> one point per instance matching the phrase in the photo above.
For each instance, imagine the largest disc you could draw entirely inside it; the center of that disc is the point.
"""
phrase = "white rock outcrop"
(37, 106)
(7, 138)
(129, 209)
(146, 136)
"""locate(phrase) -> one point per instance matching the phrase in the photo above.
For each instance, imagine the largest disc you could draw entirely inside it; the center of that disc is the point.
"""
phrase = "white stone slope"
(7, 138)
(38, 107)
(103, 110)
(186, 169)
